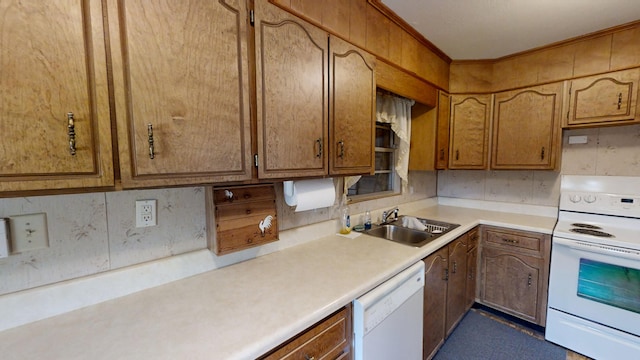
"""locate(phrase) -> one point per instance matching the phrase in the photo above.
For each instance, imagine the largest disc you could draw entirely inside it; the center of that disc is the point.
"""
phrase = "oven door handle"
(598, 248)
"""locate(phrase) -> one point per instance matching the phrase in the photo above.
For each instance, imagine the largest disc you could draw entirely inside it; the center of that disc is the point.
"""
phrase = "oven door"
(596, 282)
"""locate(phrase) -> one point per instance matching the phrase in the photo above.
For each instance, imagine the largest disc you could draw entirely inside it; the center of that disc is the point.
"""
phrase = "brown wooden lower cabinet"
(329, 339)
(514, 272)
(447, 286)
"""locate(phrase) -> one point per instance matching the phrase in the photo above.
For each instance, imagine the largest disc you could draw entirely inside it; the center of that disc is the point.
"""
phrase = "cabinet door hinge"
(255, 160)
(252, 19)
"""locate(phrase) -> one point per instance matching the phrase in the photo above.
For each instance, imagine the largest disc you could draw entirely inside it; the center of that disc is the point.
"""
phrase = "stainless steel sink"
(394, 231)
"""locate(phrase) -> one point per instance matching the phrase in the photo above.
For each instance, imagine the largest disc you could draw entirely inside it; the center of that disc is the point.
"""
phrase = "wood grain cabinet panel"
(329, 339)
(472, 266)
(54, 101)
(601, 100)
(526, 128)
(292, 87)
(181, 83)
(469, 131)
(457, 282)
(514, 272)
(353, 107)
(435, 301)
(445, 292)
(442, 131)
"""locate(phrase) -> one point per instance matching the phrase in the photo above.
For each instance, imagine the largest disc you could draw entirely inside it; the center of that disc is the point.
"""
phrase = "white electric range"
(594, 280)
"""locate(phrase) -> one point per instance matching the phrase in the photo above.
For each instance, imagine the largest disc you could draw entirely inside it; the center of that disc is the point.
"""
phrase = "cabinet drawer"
(514, 239)
(230, 195)
(328, 339)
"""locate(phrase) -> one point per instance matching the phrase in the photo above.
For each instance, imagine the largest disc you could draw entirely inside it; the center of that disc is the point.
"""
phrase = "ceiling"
(490, 29)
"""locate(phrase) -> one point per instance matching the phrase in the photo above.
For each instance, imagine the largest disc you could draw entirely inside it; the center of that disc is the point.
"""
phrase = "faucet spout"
(386, 214)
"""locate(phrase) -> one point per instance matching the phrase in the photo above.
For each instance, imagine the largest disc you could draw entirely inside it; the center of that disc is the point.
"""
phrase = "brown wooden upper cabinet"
(526, 128)
(181, 85)
(442, 131)
(54, 103)
(296, 78)
(353, 109)
(469, 131)
(607, 99)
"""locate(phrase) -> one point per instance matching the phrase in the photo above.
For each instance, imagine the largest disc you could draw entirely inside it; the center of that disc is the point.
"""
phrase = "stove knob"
(575, 198)
(590, 198)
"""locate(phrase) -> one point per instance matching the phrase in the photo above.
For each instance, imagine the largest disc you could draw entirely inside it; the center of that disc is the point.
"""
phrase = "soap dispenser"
(345, 217)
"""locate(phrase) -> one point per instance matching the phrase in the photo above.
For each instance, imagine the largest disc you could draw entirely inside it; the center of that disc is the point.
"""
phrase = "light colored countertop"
(244, 310)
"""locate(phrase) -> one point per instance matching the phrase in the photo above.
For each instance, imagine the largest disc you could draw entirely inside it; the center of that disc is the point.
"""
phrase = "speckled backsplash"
(94, 233)
(608, 151)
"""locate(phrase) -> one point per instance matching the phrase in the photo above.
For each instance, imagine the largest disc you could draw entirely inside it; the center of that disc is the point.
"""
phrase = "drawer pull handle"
(319, 142)
(441, 154)
(150, 134)
(542, 153)
(455, 267)
(306, 357)
(511, 241)
(529, 281)
(619, 101)
(71, 127)
(341, 152)
(457, 155)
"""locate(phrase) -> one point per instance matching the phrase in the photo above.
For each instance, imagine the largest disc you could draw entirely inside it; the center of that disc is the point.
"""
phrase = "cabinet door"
(526, 128)
(182, 91)
(606, 99)
(456, 288)
(510, 282)
(470, 115)
(442, 136)
(353, 106)
(472, 265)
(292, 94)
(435, 301)
(54, 101)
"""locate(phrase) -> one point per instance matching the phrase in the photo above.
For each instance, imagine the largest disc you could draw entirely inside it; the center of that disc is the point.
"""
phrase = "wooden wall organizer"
(241, 217)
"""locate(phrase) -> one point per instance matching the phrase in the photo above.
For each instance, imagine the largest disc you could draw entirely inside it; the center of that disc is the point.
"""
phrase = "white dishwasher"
(387, 321)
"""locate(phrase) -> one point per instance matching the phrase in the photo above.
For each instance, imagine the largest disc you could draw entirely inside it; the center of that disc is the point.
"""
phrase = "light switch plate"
(28, 232)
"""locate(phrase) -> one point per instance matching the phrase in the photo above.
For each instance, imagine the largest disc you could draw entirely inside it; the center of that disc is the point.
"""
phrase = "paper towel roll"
(309, 194)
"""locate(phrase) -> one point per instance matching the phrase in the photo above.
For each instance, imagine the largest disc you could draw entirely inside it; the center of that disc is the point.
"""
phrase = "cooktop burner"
(586, 226)
(591, 232)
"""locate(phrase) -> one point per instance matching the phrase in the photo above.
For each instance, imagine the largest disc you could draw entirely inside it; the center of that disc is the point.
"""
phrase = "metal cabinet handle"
(306, 357)
(319, 142)
(71, 130)
(445, 274)
(150, 132)
(457, 155)
(341, 151)
(619, 101)
(441, 154)
(529, 280)
(455, 267)
(542, 153)
(510, 241)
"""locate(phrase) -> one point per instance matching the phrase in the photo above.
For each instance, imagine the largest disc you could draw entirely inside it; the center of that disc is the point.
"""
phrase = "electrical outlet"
(146, 213)
(28, 232)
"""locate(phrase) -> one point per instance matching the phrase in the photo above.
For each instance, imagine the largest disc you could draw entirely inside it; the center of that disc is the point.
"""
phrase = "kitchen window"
(384, 181)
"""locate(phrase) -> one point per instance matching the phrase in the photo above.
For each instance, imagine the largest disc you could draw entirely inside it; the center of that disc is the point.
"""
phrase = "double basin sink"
(395, 231)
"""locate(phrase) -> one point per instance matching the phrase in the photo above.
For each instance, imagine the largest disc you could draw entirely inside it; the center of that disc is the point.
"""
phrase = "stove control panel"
(601, 203)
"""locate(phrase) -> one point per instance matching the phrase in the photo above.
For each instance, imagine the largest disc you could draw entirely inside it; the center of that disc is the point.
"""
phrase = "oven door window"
(609, 284)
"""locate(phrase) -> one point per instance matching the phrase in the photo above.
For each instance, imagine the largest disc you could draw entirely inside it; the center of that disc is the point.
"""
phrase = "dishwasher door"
(387, 321)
